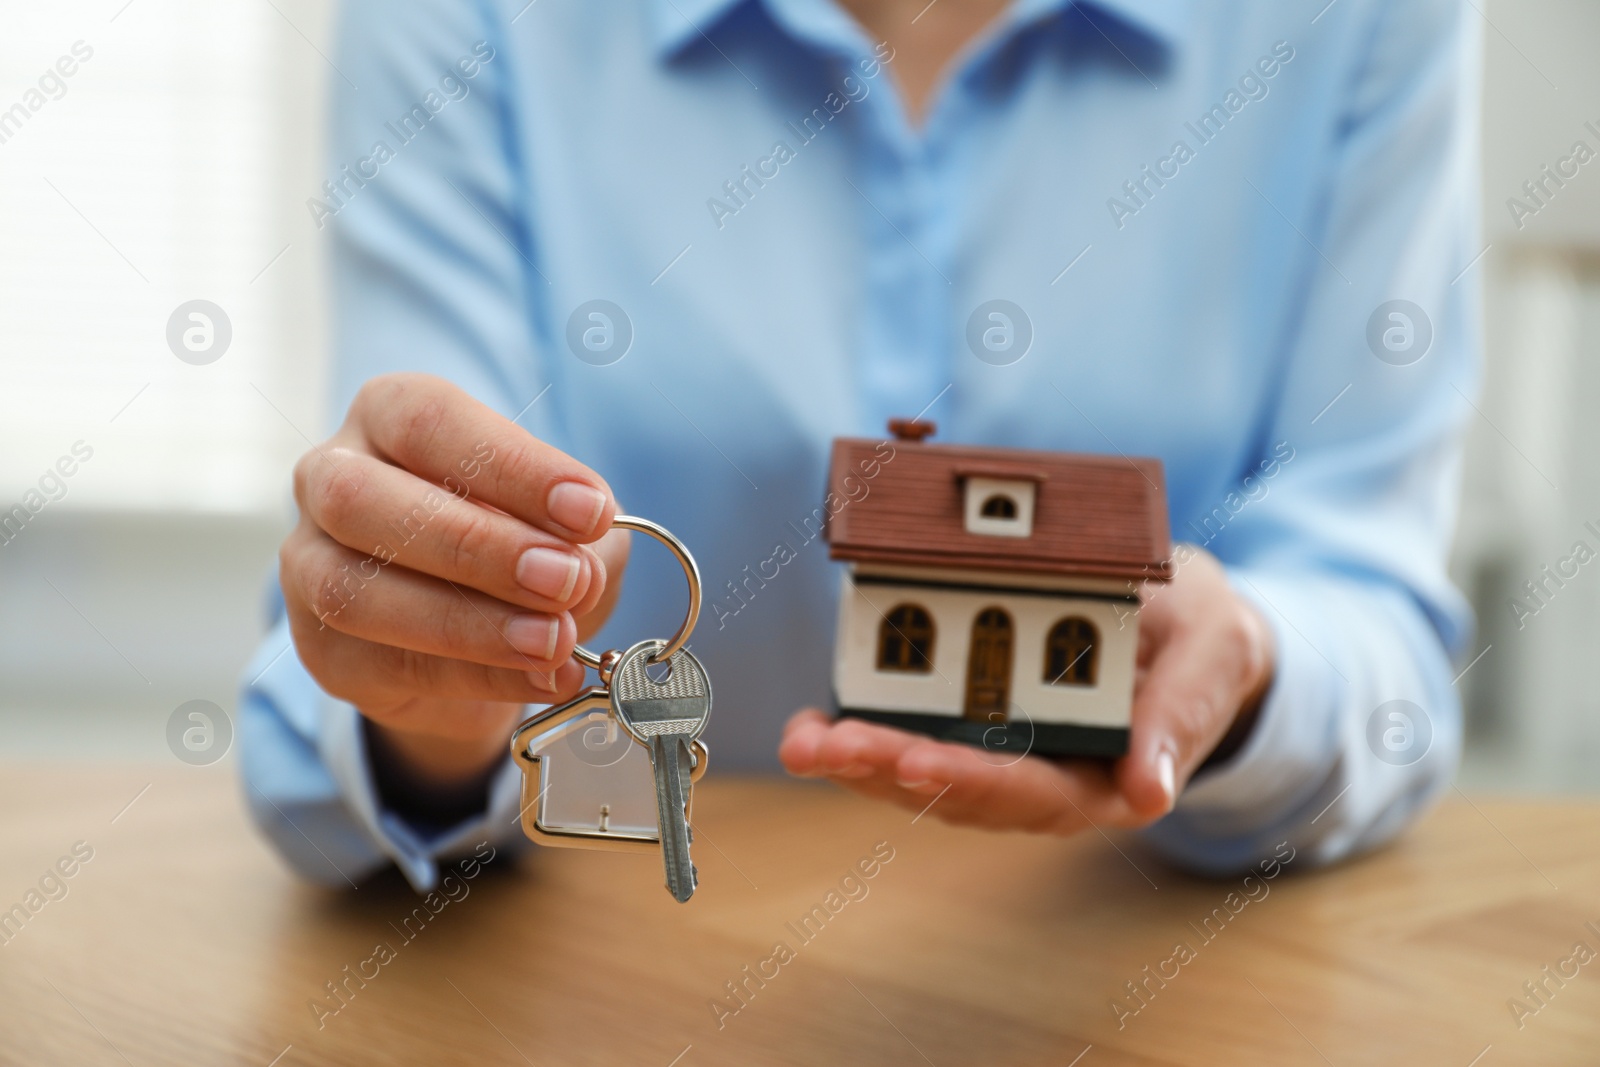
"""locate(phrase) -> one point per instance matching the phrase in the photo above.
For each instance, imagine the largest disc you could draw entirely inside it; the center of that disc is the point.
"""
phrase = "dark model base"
(1016, 736)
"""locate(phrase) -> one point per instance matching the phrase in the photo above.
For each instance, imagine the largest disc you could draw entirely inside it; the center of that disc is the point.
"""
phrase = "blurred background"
(174, 163)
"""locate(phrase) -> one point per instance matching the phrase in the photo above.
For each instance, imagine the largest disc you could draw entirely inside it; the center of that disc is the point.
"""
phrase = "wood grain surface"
(183, 940)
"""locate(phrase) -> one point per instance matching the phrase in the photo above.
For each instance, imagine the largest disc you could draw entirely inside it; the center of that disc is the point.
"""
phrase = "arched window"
(1071, 653)
(905, 640)
(999, 506)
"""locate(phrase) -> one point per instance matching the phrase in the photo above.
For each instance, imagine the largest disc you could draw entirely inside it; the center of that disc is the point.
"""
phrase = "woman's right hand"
(445, 564)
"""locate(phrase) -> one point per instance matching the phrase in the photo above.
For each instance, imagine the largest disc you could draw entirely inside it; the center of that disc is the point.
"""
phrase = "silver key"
(666, 718)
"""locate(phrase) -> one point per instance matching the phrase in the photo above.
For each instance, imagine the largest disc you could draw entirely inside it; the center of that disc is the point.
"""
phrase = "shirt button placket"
(905, 296)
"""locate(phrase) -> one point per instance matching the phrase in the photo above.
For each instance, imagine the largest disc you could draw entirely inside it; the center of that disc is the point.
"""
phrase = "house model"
(991, 595)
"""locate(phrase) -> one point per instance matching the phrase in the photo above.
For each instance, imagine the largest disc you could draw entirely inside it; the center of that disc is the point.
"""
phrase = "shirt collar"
(1166, 22)
(678, 23)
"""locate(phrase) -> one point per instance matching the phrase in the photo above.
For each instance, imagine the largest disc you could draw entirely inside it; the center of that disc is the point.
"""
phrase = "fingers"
(803, 738)
(374, 508)
(1030, 793)
(805, 718)
(802, 735)
(964, 785)
(436, 431)
(814, 746)
(375, 676)
(350, 593)
(440, 562)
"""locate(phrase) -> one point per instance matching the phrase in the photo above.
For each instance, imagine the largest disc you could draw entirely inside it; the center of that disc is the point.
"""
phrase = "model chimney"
(911, 430)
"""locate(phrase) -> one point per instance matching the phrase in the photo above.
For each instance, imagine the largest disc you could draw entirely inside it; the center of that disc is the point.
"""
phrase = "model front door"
(989, 667)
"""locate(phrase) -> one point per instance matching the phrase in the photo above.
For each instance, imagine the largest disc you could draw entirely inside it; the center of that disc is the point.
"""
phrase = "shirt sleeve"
(309, 786)
(1341, 537)
(430, 262)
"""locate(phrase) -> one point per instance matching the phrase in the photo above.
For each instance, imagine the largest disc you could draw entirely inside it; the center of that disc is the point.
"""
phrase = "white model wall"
(859, 684)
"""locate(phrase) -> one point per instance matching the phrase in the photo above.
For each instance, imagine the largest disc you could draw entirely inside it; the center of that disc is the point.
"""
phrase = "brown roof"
(1100, 516)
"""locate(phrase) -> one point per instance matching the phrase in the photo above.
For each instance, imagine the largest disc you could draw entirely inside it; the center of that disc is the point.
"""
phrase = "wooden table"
(184, 941)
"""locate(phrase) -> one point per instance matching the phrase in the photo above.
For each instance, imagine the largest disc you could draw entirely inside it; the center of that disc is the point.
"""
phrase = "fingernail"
(534, 635)
(1167, 774)
(575, 506)
(549, 572)
(912, 785)
(854, 770)
(544, 681)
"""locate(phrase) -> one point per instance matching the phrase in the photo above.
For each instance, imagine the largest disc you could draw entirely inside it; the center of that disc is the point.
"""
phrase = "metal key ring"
(691, 571)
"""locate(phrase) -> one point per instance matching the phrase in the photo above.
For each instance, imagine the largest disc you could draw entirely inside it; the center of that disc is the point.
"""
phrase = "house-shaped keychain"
(991, 595)
(585, 782)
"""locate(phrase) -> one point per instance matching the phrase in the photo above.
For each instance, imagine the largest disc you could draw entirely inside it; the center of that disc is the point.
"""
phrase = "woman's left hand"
(1205, 662)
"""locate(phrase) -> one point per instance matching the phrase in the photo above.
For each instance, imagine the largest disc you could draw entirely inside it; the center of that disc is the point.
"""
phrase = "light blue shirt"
(1195, 211)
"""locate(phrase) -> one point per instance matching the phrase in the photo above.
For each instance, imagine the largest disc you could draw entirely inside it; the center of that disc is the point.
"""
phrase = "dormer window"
(999, 507)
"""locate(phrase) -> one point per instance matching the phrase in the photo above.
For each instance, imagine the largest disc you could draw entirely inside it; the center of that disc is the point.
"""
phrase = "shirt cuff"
(341, 742)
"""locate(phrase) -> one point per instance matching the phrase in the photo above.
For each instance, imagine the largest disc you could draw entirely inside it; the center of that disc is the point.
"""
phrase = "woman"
(662, 252)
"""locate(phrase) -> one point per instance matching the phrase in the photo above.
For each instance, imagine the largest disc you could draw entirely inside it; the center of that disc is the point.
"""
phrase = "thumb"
(1180, 712)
